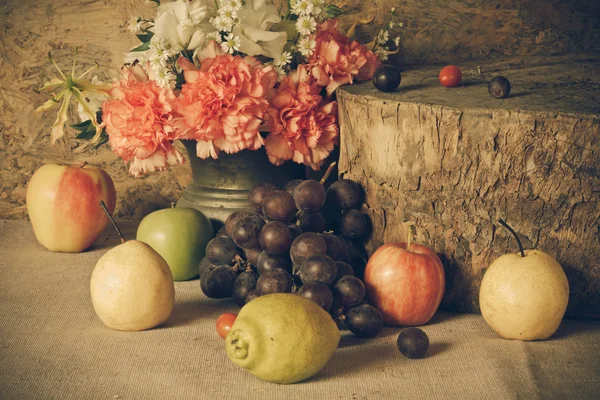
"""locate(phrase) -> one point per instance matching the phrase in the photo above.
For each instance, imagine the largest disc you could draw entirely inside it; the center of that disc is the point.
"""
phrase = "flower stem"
(328, 172)
(112, 220)
(515, 235)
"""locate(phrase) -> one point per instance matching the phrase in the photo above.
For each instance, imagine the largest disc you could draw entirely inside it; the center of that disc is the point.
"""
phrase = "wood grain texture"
(434, 30)
(450, 162)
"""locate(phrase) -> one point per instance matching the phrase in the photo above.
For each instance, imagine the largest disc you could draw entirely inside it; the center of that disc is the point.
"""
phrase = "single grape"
(413, 343)
(317, 292)
(353, 224)
(344, 193)
(251, 255)
(275, 281)
(203, 265)
(204, 274)
(335, 249)
(279, 205)
(343, 269)
(266, 262)
(499, 87)
(257, 195)
(351, 289)
(306, 245)
(234, 218)
(218, 283)
(222, 232)
(246, 231)
(319, 268)
(244, 284)
(221, 251)
(252, 295)
(275, 238)
(291, 185)
(365, 321)
(309, 196)
(313, 222)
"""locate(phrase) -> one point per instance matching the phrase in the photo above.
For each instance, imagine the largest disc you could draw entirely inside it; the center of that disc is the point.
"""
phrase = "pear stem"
(112, 220)
(514, 234)
(410, 238)
(84, 164)
(328, 172)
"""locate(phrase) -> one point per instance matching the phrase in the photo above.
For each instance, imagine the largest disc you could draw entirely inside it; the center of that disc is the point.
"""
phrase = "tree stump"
(452, 161)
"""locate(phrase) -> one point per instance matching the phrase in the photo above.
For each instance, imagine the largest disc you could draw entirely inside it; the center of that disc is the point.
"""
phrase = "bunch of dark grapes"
(302, 239)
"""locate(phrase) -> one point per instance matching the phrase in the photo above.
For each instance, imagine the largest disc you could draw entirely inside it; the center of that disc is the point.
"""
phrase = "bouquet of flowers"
(232, 75)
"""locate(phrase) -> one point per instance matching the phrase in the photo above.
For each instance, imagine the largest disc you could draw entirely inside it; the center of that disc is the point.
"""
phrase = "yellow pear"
(524, 296)
(282, 338)
(132, 287)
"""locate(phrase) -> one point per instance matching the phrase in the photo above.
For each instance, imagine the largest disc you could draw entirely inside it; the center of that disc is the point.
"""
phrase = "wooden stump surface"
(451, 161)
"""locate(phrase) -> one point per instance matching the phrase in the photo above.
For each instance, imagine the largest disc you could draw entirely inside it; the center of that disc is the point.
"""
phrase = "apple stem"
(410, 237)
(514, 234)
(172, 204)
(84, 164)
(328, 172)
(112, 220)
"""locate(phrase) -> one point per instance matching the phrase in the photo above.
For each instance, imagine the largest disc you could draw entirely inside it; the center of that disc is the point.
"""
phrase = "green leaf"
(142, 47)
(103, 139)
(82, 126)
(333, 11)
(145, 37)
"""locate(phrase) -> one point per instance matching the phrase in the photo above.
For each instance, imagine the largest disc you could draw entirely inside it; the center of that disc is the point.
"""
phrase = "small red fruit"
(224, 324)
(450, 76)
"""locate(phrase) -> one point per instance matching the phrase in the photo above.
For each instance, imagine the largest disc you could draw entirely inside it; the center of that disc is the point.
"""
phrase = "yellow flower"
(68, 86)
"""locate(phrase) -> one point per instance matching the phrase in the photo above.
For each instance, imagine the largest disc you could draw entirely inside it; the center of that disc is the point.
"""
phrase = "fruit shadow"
(571, 328)
(189, 312)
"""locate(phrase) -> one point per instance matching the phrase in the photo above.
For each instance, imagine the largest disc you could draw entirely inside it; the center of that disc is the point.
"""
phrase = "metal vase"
(221, 186)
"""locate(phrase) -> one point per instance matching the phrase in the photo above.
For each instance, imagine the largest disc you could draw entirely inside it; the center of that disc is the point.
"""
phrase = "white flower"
(231, 44)
(383, 36)
(303, 7)
(135, 25)
(222, 24)
(281, 73)
(282, 60)
(381, 53)
(161, 48)
(184, 23)
(306, 46)
(400, 24)
(397, 41)
(232, 4)
(228, 13)
(317, 8)
(162, 76)
(93, 99)
(306, 25)
(256, 19)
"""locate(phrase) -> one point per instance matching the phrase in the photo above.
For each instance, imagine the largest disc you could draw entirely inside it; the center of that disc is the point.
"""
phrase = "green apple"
(180, 236)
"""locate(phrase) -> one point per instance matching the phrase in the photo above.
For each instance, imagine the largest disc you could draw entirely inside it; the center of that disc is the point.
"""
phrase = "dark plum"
(203, 266)
(310, 196)
(279, 205)
(343, 269)
(251, 255)
(222, 232)
(351, 290)
(221, 250)
(234, 217)
(274, 281)
(319, 268)
(313, 222)
(413, 343)
(305, 245)
(317, 292)
(335, 249)
(257, 195)
(246, 231)
(268, 263)
(243, 285)
(296, 231)
(499, 87)
(275, 238)
(252, 295)
(365, 321)
(353, 224)
(217, 283)
(291, 186)
(344, 193)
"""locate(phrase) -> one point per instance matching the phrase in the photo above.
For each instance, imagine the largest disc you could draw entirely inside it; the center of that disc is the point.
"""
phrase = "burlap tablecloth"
(54, 347)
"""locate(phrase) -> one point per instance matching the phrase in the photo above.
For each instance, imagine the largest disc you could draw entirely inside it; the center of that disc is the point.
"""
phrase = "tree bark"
(452, 162)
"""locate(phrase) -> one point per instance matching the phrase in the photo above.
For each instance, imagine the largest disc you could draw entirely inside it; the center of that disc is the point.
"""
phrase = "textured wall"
(434, 31)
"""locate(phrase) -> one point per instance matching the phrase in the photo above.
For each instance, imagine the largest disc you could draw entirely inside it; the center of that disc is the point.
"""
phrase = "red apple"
(63, 203)
(405, 281)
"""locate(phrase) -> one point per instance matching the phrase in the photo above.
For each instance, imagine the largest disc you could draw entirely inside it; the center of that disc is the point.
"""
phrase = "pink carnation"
(338, 61)
(138, 121)
(222, 105)
(303, 126)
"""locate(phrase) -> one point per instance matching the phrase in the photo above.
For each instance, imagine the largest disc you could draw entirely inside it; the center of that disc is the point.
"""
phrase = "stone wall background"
(435, 31)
